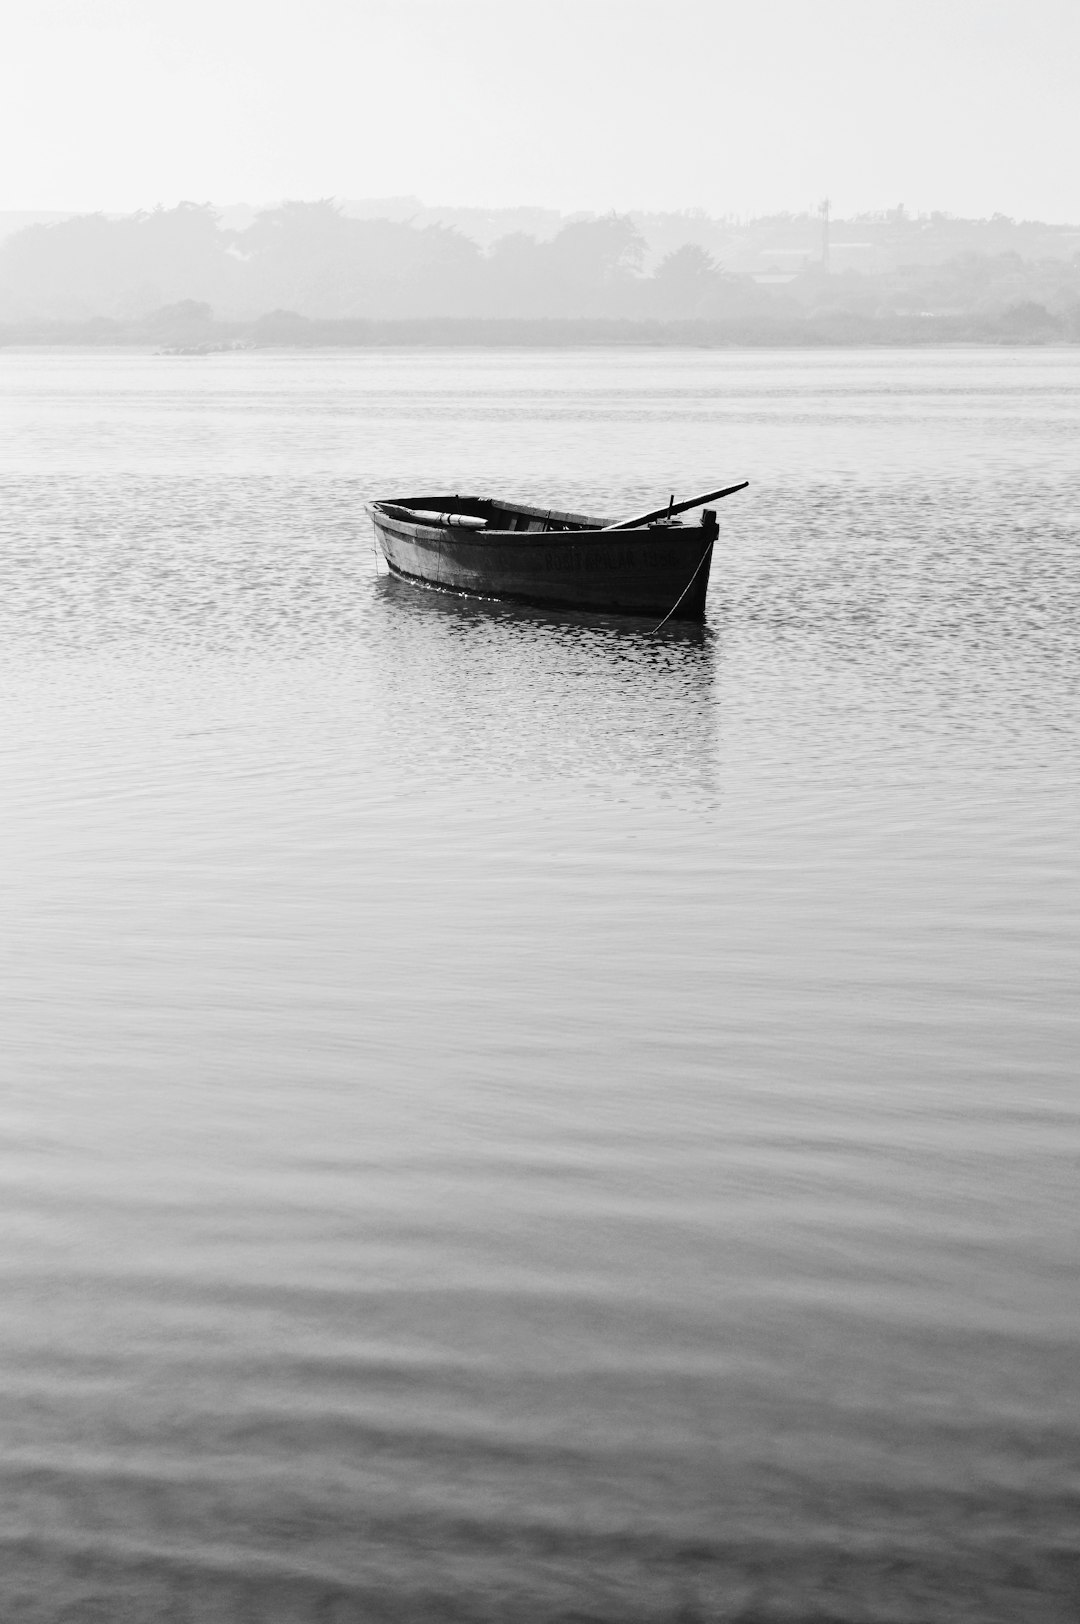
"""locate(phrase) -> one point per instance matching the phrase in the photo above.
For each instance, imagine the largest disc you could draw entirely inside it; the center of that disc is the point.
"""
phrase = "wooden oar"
(677, 507)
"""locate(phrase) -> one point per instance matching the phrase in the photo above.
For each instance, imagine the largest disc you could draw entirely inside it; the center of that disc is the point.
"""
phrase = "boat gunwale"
(483, 507)
(444, 533)
(567, 527)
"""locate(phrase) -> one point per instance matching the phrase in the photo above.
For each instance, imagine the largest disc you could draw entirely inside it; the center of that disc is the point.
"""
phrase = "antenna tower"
(823, 211)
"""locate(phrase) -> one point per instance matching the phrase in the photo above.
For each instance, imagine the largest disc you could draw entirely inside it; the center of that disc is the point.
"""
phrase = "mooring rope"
(685, 590)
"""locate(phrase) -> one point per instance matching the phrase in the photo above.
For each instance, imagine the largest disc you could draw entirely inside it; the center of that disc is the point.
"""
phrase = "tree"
(92, 265)
(596, 253)
(1029, 322)
(590, 268)
(684, 278)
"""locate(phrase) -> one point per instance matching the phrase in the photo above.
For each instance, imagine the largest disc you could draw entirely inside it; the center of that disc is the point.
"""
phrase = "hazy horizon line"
(401, 198)
(898, 210)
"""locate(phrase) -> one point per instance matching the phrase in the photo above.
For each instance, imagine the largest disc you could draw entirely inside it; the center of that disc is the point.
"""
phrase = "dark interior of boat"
(480, 512)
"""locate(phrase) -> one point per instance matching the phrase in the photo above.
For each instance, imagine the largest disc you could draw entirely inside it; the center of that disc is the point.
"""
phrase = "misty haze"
(539, 719)
(789, 278)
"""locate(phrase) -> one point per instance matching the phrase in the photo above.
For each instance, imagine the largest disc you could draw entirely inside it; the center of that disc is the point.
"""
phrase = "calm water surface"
(505, 1116)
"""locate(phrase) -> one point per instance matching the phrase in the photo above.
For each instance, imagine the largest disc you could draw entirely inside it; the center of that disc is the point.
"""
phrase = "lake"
(507, 1116)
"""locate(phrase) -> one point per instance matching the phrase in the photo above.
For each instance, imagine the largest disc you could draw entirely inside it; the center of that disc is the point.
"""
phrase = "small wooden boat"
(650, 565)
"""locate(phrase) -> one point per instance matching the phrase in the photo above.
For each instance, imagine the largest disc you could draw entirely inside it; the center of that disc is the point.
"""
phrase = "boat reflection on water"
(548, 694)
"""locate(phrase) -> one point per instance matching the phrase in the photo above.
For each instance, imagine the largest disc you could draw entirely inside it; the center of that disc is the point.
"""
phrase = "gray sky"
(966, 105)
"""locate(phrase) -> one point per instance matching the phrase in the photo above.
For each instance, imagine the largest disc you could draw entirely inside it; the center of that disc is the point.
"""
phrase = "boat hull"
(656, 571)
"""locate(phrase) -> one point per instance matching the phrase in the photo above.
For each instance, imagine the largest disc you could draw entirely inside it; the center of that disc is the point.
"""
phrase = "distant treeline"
(308, 273)
(183, 330)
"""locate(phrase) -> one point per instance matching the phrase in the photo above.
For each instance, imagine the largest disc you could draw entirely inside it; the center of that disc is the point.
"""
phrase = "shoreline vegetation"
(312, 275)
(286, 330)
